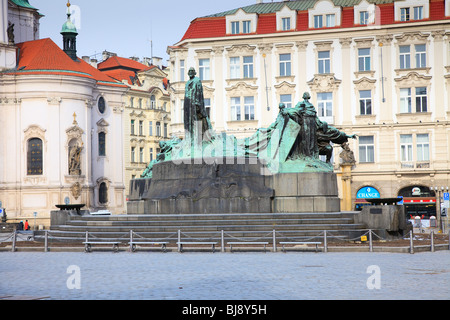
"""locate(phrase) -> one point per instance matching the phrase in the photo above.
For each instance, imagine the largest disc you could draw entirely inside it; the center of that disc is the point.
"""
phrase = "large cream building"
(376, 68)
(147, 114)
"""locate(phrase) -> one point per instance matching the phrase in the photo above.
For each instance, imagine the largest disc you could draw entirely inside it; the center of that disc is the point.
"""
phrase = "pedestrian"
(27, 225)
(20, 226)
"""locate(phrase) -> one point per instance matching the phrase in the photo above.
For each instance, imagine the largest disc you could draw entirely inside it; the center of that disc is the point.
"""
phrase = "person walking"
(27, 225)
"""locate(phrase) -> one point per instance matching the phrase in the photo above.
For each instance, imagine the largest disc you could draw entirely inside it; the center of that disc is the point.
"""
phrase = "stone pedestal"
(231, 185)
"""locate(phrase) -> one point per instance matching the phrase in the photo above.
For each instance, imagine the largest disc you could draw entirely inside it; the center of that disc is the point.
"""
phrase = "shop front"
(419, 201)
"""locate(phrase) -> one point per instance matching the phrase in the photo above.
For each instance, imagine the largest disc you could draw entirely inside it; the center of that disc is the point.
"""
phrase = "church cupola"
(69, 33)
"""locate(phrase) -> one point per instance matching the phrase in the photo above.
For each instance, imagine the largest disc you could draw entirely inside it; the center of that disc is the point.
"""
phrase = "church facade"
(61, 125)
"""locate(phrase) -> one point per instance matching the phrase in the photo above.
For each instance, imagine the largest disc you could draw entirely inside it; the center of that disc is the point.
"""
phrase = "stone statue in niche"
(10, 32)
(75, 160)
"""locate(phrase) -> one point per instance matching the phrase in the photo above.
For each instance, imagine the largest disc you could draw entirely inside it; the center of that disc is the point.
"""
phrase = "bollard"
(370, 241)
(14, 241)
(432, 241)
(131, 240)
(46, 241)
(274, 242)
(223, 242)
(411, 243)
(325, 244)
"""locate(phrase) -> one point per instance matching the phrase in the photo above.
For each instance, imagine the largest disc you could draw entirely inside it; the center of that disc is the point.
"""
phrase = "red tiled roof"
(206, 28)
(119, 62)
(45, 57)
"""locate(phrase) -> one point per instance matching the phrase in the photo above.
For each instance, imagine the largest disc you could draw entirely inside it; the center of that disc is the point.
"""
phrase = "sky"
(127, 27)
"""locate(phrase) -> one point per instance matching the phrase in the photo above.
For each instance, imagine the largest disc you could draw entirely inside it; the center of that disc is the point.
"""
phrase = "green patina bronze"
(292, 144)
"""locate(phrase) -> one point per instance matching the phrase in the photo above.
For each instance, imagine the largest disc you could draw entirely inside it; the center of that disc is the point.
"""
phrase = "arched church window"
(103, 193)
(34, 157)
(101, 144)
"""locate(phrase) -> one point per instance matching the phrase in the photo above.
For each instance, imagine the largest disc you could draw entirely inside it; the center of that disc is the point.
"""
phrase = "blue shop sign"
(368, 193)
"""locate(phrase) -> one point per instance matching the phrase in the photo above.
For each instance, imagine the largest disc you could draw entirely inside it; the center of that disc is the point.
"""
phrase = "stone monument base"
(231, 185)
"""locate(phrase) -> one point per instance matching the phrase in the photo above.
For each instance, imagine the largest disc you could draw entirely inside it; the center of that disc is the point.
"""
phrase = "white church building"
(61, 122)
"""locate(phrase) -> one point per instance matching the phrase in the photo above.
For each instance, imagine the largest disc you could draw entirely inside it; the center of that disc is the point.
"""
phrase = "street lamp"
(439, 194)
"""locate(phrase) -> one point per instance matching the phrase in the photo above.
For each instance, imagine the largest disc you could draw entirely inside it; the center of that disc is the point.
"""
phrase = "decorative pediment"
(241, 49)
(413, 78)
(364, 83)
(324, 83)
(411, 37)
(74, 132)
(242, 88)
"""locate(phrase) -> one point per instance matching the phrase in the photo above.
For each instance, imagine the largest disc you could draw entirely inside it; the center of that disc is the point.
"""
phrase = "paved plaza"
(219, 276)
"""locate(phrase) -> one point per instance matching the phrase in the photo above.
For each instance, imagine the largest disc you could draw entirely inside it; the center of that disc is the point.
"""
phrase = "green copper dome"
(69, 27)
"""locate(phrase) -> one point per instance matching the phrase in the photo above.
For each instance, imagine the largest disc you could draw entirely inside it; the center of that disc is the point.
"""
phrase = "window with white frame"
(318, 21)
(150, 128)
(364, 17)
(182, 70)
(324, 62)
(235, 67)
(423, 147)
(325, 104)
(151, 154)
(406, 147)
(141, 127)
(365, 102)
(405, 57)
(235, 27)
(418, 13)
(235, 109)
(286, 24)
(285, 64)
(366, 149)
(421, 143)
(133, 154)
(246, 26)
(141, 155)
(364, 59)
(249, 108)
(418, 95)
(286, 99)
(132, 127)
(404, 14)
(421, 99)
(421, 55)
(158, 129)
(248, 67)
(208, 107)
(330, 21)
(152, 102)
(405, 100)
(204, 69)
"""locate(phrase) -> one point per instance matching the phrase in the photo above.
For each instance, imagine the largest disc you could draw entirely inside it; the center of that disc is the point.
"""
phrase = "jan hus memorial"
(276, 170)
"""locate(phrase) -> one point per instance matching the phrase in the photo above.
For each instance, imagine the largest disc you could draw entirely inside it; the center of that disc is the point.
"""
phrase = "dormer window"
(409, 10)
(286, 19)
(324, 15)
(241, 23)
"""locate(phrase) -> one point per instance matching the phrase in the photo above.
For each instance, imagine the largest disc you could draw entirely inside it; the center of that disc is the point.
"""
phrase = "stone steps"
(288, 227)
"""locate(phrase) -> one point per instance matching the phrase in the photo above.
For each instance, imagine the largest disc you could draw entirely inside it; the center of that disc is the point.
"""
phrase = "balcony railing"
(415, 165)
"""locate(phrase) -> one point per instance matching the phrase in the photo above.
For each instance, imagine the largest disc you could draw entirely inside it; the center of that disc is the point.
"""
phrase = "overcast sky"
(126, 27)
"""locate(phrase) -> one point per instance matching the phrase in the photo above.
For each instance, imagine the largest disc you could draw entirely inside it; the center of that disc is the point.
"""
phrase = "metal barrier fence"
(178, 237)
